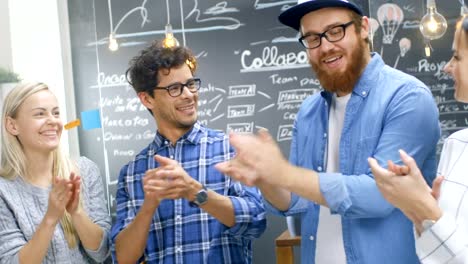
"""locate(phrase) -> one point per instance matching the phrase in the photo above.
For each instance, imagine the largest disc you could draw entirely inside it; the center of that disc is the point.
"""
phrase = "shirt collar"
(192, 136)
(367, 80)
(369, 77)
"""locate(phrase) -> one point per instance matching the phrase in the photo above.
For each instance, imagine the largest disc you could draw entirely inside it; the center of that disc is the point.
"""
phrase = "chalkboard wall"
(254, 72)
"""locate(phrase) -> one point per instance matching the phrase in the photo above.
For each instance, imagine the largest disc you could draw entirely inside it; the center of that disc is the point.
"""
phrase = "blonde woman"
(52, 210)
(439, 214)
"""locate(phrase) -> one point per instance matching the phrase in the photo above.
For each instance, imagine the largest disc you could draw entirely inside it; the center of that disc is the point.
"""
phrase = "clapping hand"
(168, 181)
(59, 197)
(73, 204)
(258, 160)
(404, 187)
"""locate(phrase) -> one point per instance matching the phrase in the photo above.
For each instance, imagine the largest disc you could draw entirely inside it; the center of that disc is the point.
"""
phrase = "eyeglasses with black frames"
(177, 89)
(334, 34)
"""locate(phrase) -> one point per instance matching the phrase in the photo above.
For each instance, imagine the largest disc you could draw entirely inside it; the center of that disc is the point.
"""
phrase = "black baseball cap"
(292, 16)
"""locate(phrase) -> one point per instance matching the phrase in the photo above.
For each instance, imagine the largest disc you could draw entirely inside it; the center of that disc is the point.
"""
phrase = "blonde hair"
(461, 32)
(13, 159)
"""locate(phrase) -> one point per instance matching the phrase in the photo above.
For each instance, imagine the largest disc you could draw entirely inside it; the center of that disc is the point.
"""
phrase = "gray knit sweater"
(23, 206)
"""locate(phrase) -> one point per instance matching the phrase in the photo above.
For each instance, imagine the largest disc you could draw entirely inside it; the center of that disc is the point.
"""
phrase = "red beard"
(343, 82)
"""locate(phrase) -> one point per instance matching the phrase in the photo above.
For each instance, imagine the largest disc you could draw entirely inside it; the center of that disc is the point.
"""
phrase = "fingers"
(238, 141)
(264, 135)
(376, 169)
(436, 186)
(238, 173)
(398, 169)
(382, 176)
(223, 167)
(408, 161)
(164, 161)
(60, 195)
(61, 188)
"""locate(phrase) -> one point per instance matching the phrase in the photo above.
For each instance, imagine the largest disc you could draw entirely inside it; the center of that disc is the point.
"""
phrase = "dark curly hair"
(144, 68)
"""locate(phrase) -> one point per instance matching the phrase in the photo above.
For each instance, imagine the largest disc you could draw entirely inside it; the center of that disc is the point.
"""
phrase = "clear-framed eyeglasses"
(334, 34)
(176, 89)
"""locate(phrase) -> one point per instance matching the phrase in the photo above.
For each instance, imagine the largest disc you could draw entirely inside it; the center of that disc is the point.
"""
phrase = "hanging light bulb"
(170, 41)
(433, 25)
(113, 44)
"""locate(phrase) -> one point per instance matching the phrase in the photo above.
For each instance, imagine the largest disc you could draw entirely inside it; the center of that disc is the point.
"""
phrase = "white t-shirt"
(330, 248)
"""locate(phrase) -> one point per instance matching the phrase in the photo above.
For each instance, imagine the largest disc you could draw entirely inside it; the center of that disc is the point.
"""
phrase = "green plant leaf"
(7, 76)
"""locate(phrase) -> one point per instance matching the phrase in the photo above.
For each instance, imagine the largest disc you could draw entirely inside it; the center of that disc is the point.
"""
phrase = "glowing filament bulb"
(113, 44)
(170, 41)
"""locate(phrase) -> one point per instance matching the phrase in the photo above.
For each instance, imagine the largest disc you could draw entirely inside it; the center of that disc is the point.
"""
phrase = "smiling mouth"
(332, 59)
(49, 133)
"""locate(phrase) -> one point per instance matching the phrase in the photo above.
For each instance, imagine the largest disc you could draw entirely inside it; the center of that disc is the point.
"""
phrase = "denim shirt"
(388, 110)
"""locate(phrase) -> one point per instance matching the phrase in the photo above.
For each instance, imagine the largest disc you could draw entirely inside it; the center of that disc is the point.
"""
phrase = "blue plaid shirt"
(180, 233)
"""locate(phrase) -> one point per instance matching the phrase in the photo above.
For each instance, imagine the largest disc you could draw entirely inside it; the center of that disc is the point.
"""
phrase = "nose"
(186, 93)
(53, 119)
(448, 66)
(325, 44)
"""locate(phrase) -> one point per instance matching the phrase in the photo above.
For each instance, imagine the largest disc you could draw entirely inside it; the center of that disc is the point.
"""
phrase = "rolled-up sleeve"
(411, 111)
(249, 211)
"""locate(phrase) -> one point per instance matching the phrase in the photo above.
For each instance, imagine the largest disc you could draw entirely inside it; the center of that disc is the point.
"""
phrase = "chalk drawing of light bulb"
(390, 17)
(405, 46)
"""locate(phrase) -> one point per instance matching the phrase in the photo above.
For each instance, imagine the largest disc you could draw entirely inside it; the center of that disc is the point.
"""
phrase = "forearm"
(277, 196)
(35, 250)
(130, 243)
(220, 207)
(305, 183)
(90, 234)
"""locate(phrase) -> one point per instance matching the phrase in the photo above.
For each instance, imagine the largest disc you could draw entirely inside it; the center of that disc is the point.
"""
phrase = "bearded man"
(367, 109)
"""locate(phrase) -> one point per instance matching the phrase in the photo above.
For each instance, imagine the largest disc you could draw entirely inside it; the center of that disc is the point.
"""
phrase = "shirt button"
(319, 168)
(364, 93)
(311, 237)
(324, 135)
(172, 156)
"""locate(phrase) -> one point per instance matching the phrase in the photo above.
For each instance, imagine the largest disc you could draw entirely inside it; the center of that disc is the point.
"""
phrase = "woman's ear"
(11, 127)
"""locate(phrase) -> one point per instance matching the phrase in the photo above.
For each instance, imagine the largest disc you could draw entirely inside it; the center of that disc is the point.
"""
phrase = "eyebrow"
(326, 28)
(191, 78)
(45, 109)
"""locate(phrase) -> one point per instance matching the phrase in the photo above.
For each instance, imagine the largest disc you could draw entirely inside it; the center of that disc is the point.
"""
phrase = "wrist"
(201, 198)
(78, 213)
(149, 206)
(194, 188)
(429, 210)
(427, 214)
(50, 221)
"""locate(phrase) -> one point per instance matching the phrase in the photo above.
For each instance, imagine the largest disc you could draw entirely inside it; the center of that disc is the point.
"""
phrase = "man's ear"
(146, 100)
(11, 126)
(365, 29)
